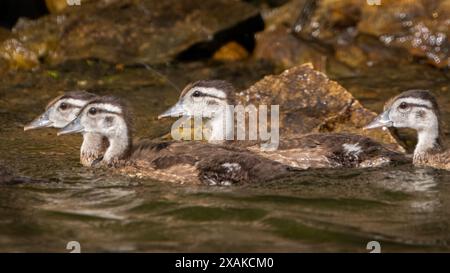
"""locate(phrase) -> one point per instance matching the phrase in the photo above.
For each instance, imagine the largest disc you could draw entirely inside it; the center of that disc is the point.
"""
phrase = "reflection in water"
(418, 182)
(405, 208)
(412, 181)
(98, 203)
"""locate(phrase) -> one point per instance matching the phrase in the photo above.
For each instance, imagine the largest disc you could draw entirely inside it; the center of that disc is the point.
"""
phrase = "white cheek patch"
(119, 127)
(211, 91)
(416, 101)
(109, 108)
(75, 102)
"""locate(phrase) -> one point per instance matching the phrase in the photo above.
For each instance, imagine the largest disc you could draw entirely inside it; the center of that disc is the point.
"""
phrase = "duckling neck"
(428, 141)
(119, 147)
(221, 125)
(92, 148)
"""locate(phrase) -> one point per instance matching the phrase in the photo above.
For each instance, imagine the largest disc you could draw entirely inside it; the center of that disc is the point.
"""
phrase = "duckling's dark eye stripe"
(201, 94)
(69, 105)
(418, 105)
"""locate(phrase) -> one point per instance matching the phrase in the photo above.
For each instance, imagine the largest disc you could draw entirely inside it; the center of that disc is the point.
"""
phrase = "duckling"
(62, 110)
(208, 99)
(182, 162)
(418, 110)
(317, 150)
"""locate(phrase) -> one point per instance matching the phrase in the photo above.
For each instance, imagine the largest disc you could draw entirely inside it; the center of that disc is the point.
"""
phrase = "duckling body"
(62, 110)
(418, 110)
(200, 163)
(316, 151)
(181, 162)
(328, 150)
(438, 160)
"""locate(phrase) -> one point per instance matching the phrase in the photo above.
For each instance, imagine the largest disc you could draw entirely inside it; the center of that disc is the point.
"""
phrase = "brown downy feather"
(333, 151)
(201, 163)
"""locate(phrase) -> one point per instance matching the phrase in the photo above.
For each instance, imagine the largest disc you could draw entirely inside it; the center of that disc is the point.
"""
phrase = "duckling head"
(107, 116)
(414, 109)
(61, 110)
(202, 98)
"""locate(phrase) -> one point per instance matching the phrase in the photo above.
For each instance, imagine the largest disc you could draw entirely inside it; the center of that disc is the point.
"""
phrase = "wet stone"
(4, 34)
(420, 28)
(56, 6)
(310, 102)
(278, 44)
(131, 32)
(15, 55)
(281, 47)
(232, 51)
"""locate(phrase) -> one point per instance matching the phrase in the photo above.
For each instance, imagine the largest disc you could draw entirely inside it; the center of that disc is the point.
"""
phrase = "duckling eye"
(93, 111)
(196, 94)
(63, 106)
(403, 106)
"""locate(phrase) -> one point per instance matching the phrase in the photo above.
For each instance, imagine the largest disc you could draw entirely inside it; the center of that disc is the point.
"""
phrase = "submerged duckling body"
(418, 110)
(62, 110)
(328, 150)
(201, 163)
(182, 162)
(317, 151)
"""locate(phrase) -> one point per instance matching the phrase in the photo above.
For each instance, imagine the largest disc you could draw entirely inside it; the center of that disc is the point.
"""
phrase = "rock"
(310, 102)
(285, 50)
(267, 3)
(141, 31)
(16, 56)
(56, 6)
(366, 51)
(420, 28)
(278, 44)
(286, 15)
(333, 43)
(4, 64)
(4, 34)
(232, 51)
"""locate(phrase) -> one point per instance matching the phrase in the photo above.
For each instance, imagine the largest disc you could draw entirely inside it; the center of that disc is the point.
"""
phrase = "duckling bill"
(42, 121)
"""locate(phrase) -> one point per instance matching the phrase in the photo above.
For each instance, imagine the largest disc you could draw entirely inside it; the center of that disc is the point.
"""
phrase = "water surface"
(404, 208)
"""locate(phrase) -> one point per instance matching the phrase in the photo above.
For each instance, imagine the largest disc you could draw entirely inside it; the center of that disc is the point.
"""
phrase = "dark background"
(11, 10)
